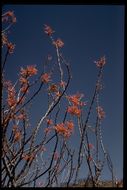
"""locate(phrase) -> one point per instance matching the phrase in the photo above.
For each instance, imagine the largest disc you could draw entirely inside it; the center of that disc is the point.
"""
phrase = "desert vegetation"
(50, 161)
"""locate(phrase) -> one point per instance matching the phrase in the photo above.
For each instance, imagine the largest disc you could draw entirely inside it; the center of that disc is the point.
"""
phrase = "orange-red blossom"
(76, 102)
(70, 125)
(53, 88)
(58, 43)
(101, 62)
(17, 136)
(8, 14)
(29, 71)
(76, 99)
(49, 121)
(11, 47)
(46, 77)
(65, 129)
(48, 30)
(74, 110)
(23, 80)
(8, 44)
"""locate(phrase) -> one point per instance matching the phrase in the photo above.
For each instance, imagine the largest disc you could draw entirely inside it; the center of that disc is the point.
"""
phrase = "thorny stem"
(9, 26)
(6, 55)
(53, 104)
(58, 56)
(85, 125)
(58, 59)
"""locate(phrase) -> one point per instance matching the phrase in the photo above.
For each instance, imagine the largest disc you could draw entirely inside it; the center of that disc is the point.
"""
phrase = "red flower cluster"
(17, 136)
(75, 100)
(48, 30)
(53, 88)
(49, 121)
(24, 75)
(58, 43)
(101, 62)
(29, 71)
(74, 110)
(8, 44)
(70, 125)
(11, 47)
(46, 77)
(8, 14)
(10, 18)
(65, 129)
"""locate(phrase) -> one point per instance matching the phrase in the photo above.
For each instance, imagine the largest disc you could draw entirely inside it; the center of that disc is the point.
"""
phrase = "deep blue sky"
(89, 32)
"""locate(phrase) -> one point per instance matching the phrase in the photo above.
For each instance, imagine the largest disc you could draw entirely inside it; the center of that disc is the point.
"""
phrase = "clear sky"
(89, 32)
